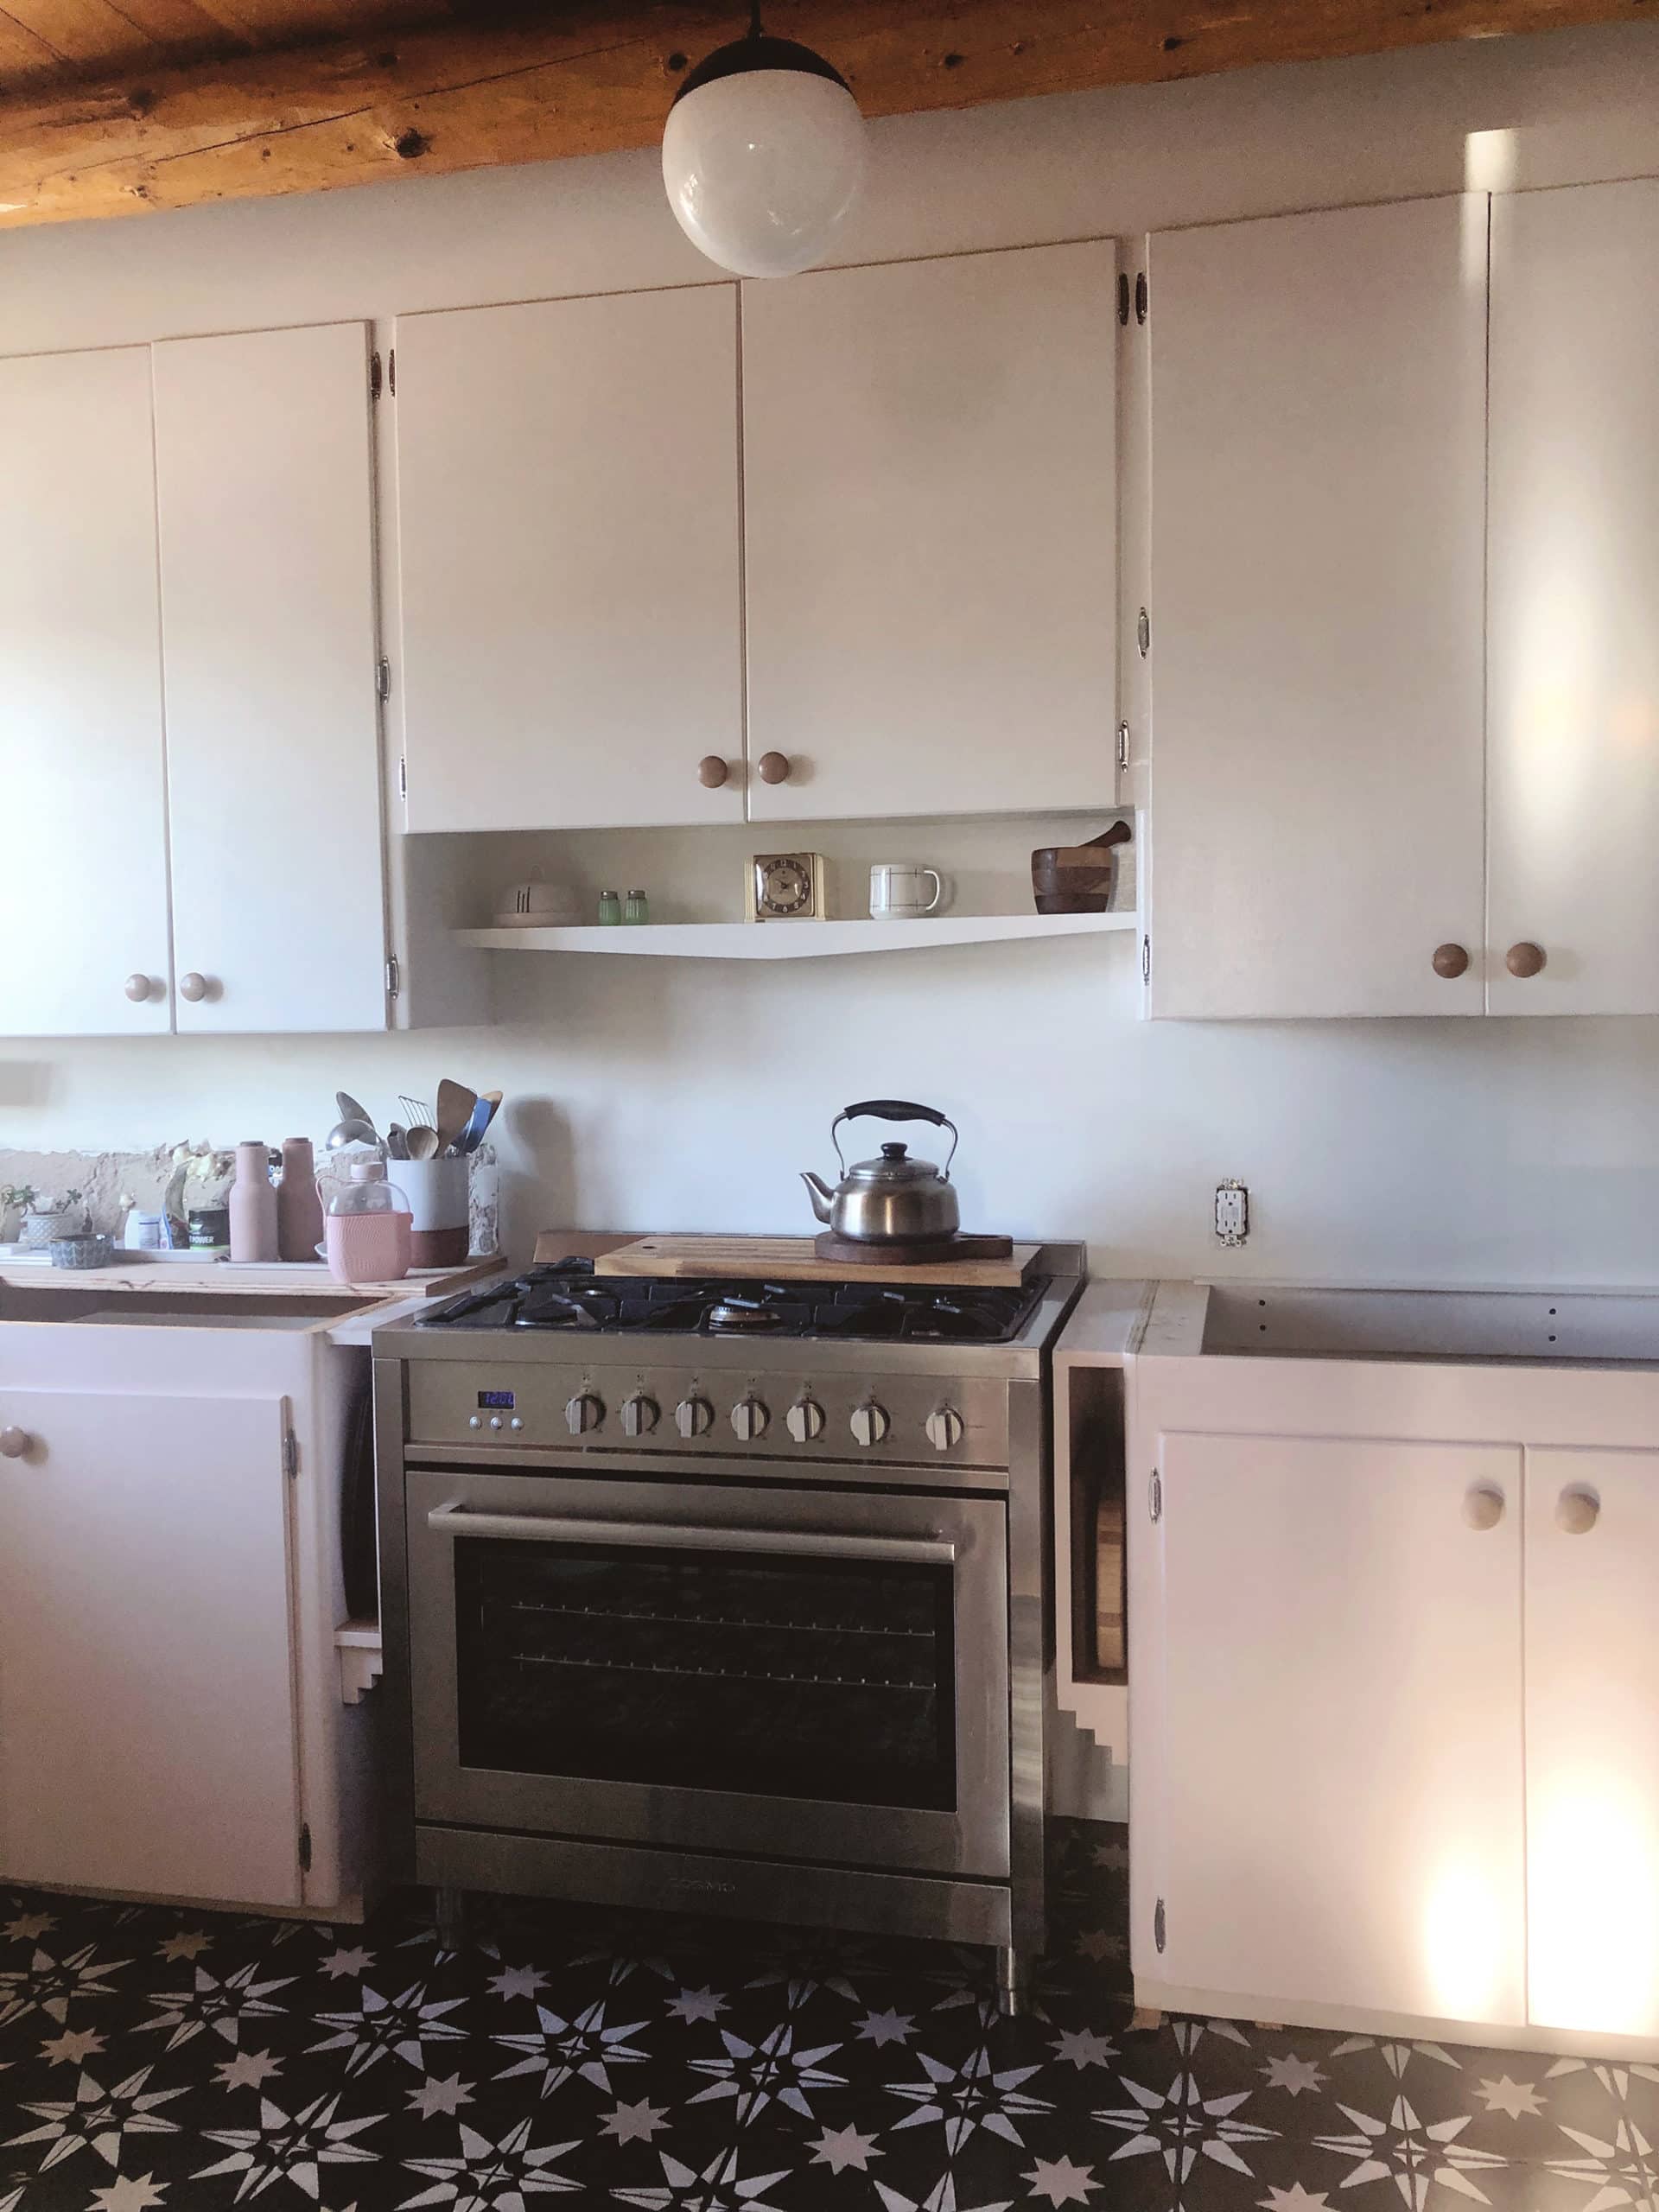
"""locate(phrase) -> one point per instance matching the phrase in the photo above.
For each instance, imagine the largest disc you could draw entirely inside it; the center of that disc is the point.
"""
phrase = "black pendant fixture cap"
(759, 50)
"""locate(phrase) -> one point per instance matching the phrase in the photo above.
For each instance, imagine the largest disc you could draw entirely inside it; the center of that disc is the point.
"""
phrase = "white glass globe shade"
(762, 167)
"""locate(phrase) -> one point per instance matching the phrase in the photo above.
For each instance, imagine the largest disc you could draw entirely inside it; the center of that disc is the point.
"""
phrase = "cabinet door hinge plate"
(1159, 1926)
(374, 376)
(1155, 1497)
(1146, 959)
(1142, 296)
(383, 678)
(290, 1453)
(403, 775)
(305, 1854)
(1122, 744)
(394, 977)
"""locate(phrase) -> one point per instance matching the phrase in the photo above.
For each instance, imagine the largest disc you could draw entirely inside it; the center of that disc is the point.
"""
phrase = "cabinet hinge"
(1155, 1497)
(1140, 296)
(305, 1854)
(374, 376)
(1123, 299)
(403, 775)
(394, 977)
(1146, 959)
(383, 678)
(1158, 1924)
(391, 373)
(1144, 633)
(290, 1453)
(1122, 744)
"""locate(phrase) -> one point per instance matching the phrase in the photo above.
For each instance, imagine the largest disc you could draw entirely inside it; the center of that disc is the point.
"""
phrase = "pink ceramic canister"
(299, 1210)
(253, 1205)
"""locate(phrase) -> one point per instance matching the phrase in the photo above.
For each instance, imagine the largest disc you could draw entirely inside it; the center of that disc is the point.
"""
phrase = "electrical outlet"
(1232, 1212)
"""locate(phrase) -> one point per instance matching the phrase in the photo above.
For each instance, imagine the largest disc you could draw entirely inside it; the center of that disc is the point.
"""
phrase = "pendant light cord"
(755, 19)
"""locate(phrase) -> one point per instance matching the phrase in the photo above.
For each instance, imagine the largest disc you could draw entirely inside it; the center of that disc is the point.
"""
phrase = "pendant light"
(763, 155)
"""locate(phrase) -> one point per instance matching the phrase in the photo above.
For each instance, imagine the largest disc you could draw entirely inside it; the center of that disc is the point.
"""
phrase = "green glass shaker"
(610, 907)
(638, 908)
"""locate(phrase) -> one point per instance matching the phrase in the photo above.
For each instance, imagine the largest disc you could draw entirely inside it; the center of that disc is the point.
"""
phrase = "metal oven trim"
(972, 1840)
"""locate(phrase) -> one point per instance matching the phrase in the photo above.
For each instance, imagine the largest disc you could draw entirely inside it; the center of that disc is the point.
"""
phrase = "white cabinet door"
(147, 1738)
(1592, 1740)
(1340, 1819)
(1318, 589)
(1573, 643)
(83, 880)
(267, 539)
(568, 500)
(930, 531)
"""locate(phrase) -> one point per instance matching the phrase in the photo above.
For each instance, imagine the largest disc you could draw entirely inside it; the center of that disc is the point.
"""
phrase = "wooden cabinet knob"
(137, 989)
(14, 1442)
(1524, 959)
(712, 772)
(192, 987)
(774, 767)
(1450, 960)
(1483, 1506)
(1577, 1512)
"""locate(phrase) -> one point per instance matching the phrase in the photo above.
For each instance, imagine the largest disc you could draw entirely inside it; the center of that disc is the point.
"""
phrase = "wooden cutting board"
(794, 1259)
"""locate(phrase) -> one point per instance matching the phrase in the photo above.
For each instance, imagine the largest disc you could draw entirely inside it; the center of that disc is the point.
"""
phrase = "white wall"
(667, 1094)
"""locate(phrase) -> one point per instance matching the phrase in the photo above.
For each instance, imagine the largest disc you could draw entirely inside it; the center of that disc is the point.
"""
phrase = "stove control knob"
(640, 1414)
(804, 1421)
(749, 1420)
(496, 1421)
(693, 1417)
(944, 1428)
(474, 1421)
(584, 1412)
(870, 1423)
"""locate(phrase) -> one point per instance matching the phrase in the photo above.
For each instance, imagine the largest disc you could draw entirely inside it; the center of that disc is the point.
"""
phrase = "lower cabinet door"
(147, 1736)
(1340, 1812)
(1592, 1740)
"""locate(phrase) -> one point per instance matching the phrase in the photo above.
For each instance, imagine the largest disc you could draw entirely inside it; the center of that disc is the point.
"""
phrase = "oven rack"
(774, 1681)
(716, 1620)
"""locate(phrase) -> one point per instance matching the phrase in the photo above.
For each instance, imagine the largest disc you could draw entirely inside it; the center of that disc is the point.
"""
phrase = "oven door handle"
(552, 1528)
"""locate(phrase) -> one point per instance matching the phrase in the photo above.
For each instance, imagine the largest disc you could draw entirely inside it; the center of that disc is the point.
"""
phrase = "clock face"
(783, 884)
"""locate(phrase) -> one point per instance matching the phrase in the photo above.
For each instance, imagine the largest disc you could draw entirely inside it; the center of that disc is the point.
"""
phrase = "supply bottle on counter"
(299, 1210)
(253, 1205)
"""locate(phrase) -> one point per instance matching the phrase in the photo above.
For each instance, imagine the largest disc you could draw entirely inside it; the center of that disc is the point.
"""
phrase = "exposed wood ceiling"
(115, 107)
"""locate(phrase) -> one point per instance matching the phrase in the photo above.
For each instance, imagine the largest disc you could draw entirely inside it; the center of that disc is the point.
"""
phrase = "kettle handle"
(894, 1109)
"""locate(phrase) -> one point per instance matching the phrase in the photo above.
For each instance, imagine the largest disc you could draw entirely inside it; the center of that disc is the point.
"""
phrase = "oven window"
(827, 1679)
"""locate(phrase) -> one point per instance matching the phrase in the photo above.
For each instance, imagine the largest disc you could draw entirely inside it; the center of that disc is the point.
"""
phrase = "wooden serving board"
(795, 1259)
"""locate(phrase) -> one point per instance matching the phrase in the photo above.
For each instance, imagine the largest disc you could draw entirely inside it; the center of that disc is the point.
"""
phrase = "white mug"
(899, 890)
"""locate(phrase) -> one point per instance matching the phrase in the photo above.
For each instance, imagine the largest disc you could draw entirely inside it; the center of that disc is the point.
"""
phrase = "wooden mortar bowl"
(1077, 879)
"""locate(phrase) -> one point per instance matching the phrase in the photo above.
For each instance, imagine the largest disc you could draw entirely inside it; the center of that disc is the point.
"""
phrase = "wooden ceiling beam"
(596, 77)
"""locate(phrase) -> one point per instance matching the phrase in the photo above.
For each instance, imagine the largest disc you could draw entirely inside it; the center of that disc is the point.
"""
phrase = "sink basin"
(1268, 1321)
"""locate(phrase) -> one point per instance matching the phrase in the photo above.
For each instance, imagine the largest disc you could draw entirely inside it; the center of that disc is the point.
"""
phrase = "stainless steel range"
(724, 1596)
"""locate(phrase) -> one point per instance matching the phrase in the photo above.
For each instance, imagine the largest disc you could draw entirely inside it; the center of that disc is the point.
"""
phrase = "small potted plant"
(51, 1215)
(15, 1199)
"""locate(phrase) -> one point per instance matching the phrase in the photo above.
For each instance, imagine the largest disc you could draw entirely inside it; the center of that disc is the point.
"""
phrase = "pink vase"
(299, 1210)
(253, 1205)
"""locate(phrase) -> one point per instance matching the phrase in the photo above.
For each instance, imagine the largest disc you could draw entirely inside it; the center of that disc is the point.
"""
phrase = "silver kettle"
(894, 1200)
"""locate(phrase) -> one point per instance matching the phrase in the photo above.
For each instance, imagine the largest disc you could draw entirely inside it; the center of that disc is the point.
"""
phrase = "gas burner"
(568, 1296)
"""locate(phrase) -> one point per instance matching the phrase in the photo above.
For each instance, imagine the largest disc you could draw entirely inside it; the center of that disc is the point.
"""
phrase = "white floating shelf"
(791, 940)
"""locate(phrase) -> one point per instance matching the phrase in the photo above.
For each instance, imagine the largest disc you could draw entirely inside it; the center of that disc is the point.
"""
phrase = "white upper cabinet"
(83, 888)
(264, 483)
(1317, 601)
(1573, 758)
(930, 524)
(568, 499)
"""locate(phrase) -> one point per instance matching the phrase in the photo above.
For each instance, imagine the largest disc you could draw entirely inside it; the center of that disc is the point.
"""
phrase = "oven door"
(820, 1675)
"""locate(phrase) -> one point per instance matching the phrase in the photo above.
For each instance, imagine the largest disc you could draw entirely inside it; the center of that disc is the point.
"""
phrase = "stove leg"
(1010, 1984)
(451, 1917)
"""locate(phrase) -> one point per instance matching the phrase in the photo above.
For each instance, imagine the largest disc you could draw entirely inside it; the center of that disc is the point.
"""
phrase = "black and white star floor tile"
(159, 2061)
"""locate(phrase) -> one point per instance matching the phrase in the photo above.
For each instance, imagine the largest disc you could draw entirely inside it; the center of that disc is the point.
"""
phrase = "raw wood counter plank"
(792, 1259)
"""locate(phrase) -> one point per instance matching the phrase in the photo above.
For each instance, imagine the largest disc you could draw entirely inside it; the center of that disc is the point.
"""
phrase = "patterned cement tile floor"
(152, 2058)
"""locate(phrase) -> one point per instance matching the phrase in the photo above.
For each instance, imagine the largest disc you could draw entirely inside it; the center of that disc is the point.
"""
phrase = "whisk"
(416, 1115)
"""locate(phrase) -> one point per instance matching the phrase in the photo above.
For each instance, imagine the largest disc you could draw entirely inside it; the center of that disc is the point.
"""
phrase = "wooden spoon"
(455, 1104)
(422, 1142)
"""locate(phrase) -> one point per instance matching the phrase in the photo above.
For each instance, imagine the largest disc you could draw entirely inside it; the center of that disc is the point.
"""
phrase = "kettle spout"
(820, 1193)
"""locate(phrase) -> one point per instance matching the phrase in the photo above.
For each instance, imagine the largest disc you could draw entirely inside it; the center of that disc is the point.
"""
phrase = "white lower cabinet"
(1395, 1701)
(1592, 1740)
(171, 1722)
(146, 1728)
(1341, 1811)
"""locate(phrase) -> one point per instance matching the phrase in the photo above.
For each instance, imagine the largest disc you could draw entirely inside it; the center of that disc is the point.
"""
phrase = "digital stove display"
(570, 1296)
(495, 1402)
